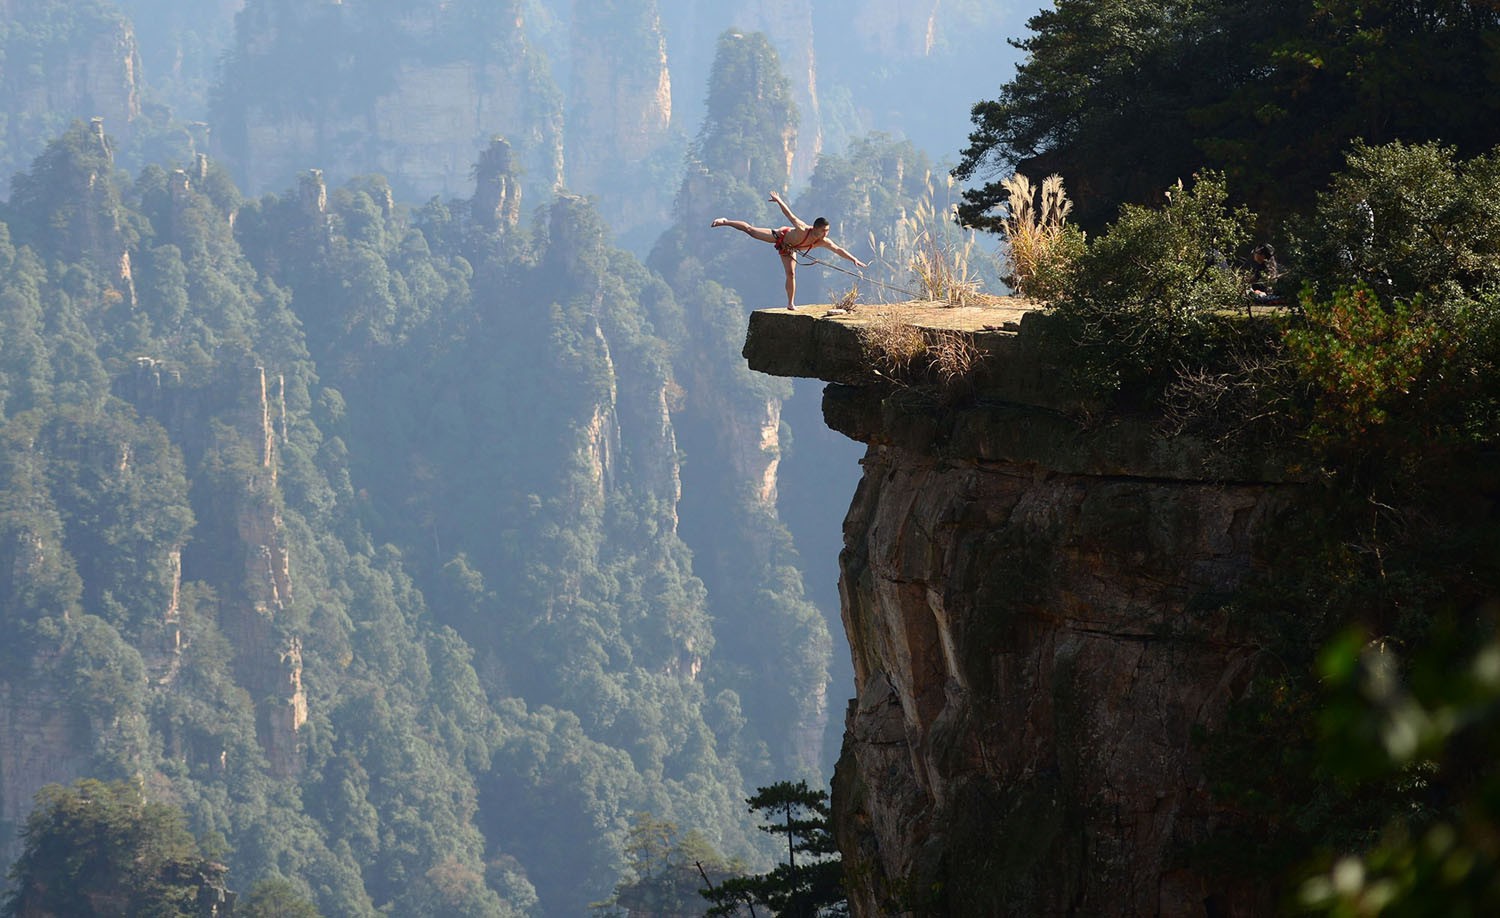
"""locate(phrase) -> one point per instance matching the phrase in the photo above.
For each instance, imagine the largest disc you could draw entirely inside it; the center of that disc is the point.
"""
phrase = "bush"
(905, 354)
(1402, 299)
(1155, 292)
(1405, 220)
(1365, 361)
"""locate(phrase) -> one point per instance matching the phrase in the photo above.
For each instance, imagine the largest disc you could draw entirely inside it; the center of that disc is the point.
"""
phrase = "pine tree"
(793, 889)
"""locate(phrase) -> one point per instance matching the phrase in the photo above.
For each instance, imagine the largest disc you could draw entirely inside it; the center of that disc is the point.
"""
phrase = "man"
(791, 241)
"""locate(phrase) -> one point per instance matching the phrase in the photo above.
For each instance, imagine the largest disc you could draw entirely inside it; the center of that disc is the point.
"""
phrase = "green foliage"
(1096, 71)
(275, 897)
(1150, 295)
(25, 368)
(1401, 364)
(668, 869)
(103, 849)
(1368, 364)
(1391, 376)
(1428, 722)
(815, 887)
(751, 118)
(1270, 94)
(455, 440)
(37, 578)
(1406, 220)
(1384, 380)
(452, 888)
(68, 201)
(124, 499)
(1310, 78)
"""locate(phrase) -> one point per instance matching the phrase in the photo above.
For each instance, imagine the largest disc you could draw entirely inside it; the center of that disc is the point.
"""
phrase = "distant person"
(1263, 270)
(1263, 274)
(791, 241)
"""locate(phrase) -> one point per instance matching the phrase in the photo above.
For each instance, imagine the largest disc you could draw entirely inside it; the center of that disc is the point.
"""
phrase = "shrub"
(1401, 338)
(1154, 293)
(953, 355)
(891, 343)
(1409, 381)
(905, 354)
(1405, 220)
(1364, 360)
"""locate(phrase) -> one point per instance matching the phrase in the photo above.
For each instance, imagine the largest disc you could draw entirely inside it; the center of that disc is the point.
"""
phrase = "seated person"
(1263, 274)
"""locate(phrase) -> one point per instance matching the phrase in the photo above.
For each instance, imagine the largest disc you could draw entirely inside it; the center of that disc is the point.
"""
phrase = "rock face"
(47, 735)
(619, 114)
(91, 71)
(1030, 606)
(246, 554)
(413, 98)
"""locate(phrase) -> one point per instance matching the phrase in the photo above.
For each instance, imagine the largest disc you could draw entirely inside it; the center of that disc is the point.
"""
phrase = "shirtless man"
(791, 241)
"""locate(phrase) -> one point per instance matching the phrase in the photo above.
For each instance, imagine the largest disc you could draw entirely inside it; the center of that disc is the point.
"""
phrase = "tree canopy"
(1124, 97)
(101, 849)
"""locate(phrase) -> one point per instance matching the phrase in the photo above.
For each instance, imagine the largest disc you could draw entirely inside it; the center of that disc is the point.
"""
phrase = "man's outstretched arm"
(796, 221)
(839, 250)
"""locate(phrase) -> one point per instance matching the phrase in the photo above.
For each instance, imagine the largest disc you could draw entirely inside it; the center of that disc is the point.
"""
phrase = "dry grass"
(1243, 400)
(953, 355)
(1036, 233)
(936, 254)
(848, 300)
(907, 354)
(891, 344)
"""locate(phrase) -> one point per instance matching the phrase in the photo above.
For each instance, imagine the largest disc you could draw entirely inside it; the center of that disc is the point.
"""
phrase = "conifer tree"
(807, 888)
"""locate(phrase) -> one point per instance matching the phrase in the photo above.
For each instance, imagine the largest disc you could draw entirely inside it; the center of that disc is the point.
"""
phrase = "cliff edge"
(1034, 608)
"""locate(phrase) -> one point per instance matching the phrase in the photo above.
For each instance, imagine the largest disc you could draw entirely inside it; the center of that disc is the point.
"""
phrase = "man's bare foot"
(790, 306)
(719, 222)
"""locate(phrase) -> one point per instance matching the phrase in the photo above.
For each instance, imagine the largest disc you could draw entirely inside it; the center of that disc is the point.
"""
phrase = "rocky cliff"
(57, 726)
(250, 561)
(408, 97)
(1031, 607)
(86, 65)
(619, 114)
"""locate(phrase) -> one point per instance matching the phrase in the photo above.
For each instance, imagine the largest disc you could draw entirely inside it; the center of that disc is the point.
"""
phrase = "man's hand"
(775, 198)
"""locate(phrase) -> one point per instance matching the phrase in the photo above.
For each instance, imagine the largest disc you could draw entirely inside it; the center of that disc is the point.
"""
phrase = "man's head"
(820, 226)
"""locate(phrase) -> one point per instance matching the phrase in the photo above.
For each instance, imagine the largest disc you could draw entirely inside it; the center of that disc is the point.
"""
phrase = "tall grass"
(1039, 242)
(891, 344)
(933, 250)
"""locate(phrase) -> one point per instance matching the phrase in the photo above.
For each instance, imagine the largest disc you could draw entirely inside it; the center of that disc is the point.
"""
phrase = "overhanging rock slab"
(818, 342)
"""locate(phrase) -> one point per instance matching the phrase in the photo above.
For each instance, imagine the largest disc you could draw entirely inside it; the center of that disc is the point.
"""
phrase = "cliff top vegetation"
(1357, 139)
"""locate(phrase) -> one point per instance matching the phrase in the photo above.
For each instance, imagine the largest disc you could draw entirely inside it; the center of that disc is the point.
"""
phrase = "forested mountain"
(412, 546)
(63, 61)
(196, 601)
(601, 96)
(384, 490)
